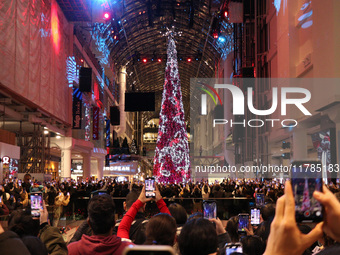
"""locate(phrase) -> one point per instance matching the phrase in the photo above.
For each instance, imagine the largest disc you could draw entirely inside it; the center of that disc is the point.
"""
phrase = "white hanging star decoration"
(170, 32)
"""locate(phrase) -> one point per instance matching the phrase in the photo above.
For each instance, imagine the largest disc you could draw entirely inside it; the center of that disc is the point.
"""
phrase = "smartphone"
(150, 187)
(306, 177)
(149, 250)
(68, 193)
(59, 194)
(209, 209)
(255, 216)
(36, 204)
(0, 199)
(230, 248)
(243, 222)
(259, 199)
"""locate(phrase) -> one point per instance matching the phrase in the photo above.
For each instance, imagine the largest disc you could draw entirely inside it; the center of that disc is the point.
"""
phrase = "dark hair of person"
(264, 229)
(131, 197)
(267, 211)
(253, 245)
(51, 196)
(206, 189)
(196, 215)
(34, 245)
(101, 211)
(198, 237)
(261, 229)
(178, 212)
(135, 187)
(27, 175)
(22, 223)
(232, 229)
(161, 230)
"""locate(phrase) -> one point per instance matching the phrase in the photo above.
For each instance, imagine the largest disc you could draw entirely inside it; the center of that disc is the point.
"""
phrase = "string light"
(106, 15)
(171, 162)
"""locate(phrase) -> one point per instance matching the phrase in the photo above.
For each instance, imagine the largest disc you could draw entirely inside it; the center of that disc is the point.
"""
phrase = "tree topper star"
(170, 32)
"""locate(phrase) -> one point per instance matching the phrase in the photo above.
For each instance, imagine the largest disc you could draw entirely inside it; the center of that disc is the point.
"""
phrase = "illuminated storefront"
(121, 169)
(9, 155)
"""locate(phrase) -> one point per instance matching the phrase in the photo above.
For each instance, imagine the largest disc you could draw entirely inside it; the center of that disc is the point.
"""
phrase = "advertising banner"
(77, 108)
(121, 168)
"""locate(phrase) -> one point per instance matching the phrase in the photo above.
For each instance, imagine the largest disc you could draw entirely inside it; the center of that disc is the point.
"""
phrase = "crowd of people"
(58, 195)
(186, 232)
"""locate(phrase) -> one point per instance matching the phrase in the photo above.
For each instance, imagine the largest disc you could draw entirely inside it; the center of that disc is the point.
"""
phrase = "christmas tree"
(133, 147)
(171, 162)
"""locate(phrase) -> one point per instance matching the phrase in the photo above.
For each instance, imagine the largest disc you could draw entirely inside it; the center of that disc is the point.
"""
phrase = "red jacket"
(97, 245)
(125, 224)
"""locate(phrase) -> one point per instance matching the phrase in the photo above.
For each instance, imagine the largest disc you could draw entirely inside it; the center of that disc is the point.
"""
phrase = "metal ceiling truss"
(142, 24)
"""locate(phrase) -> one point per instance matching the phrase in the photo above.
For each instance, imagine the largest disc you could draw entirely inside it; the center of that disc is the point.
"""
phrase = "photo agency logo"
(303, 96)
(204, 98)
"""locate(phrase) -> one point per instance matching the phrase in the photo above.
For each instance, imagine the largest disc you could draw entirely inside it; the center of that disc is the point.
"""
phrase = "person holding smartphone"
(27, 182)
(201, 236)
(285, 236)
(60, 201)
(125, 224)
(243, 224)
(101, 219)
(136, 234)
(21, 197)
(31, 229)
(10, 243)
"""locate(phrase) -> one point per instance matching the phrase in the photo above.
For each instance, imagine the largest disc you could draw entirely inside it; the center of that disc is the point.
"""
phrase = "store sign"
(77, 109)
(117, 168)
(303, 96)
(239, 100)
(6, 160)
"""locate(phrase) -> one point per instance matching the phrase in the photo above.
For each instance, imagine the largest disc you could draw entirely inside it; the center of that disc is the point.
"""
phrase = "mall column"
(122, 89)
(86, 165)
(66, 163)
(100, 162)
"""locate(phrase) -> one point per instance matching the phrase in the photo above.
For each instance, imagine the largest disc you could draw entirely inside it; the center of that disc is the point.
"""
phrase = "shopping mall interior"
(103, 92)
(71, 70)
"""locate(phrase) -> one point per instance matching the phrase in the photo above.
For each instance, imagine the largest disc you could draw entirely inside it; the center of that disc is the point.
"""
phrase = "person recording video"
(285, 236)
(61, 200)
